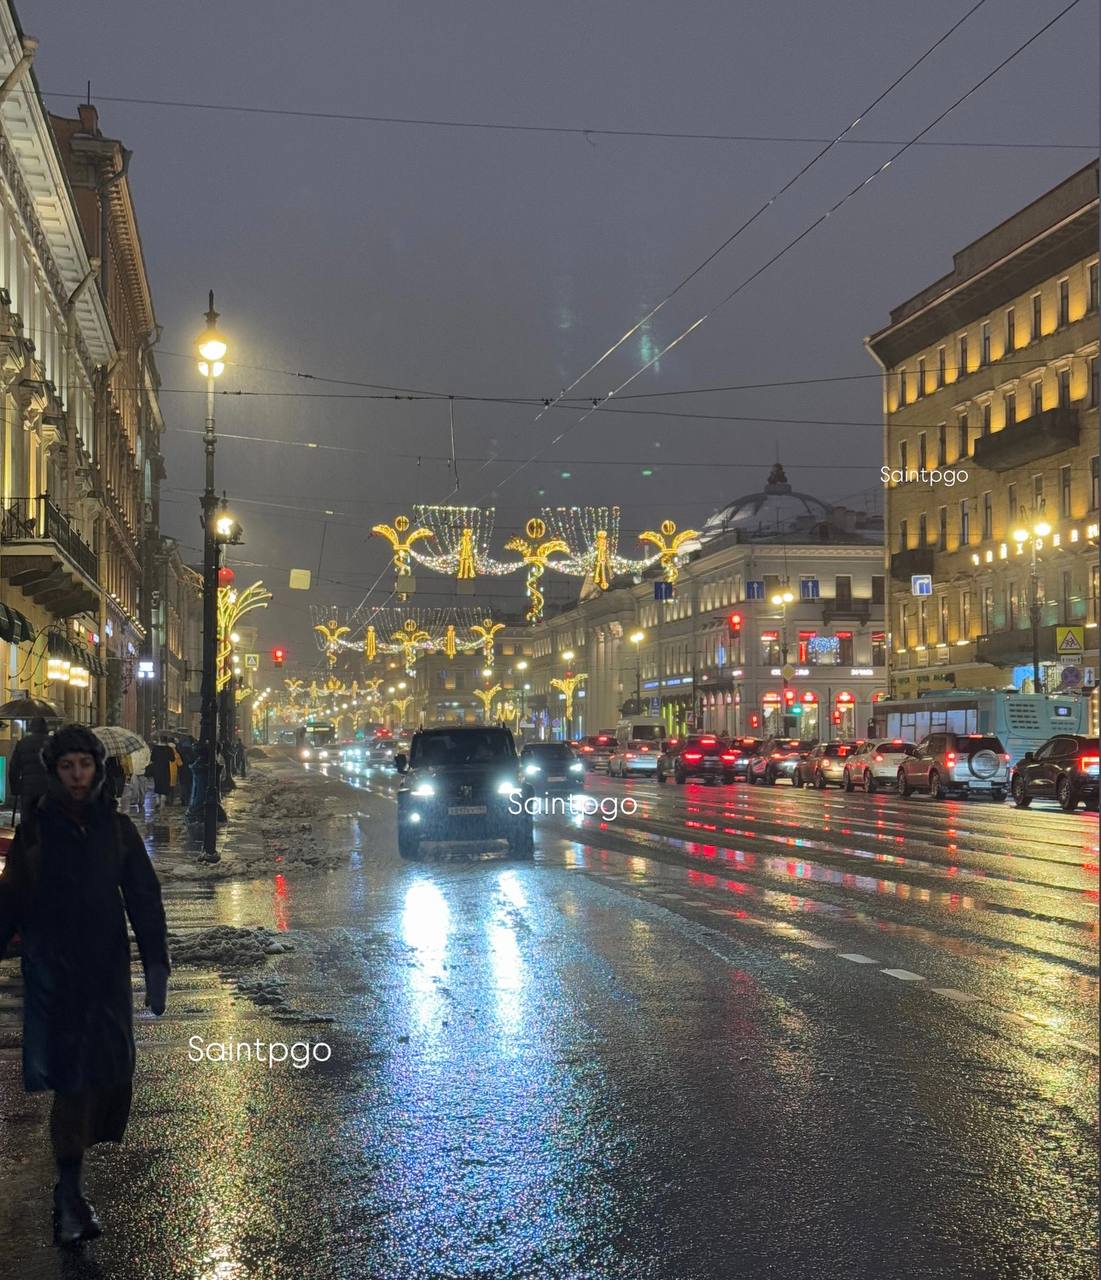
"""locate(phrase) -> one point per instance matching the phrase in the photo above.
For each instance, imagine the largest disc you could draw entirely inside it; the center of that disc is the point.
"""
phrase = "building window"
(965, 615)
(1093, 286)
(1010, 330)
(961, 358)
(1064, 492)
(987, 610)
(1064, 388)
(843, 592)
(923, 622)
(845, 648)
(808, 588)
(878, 587)
(942, 626)
(942, 365)
(1037, 494)
(963, 444)
(942, 529)
(965, 523)
(1011, 507)
(986, 419)
(1010, 402)
(984, 344)
(1037, 393)
(770, 648)
(879, 649)
(987, 515)
(920, 377)
(1064, 303)
(902, 456)
(902, 386)
(923, 451)
(903, 535)
(1013, 604)
(923, 531)
(1093, 483)
(1037, 316)
(942, 445)
(1093, 387)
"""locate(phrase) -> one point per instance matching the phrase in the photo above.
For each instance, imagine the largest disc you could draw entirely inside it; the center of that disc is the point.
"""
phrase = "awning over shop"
(62, 647)
(14, 628)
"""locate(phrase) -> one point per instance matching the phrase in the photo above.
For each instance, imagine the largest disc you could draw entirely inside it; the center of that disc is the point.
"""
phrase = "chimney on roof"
(89, 119)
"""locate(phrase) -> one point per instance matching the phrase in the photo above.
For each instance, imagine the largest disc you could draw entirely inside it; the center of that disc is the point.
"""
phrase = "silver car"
(876, 764)
(947, 764)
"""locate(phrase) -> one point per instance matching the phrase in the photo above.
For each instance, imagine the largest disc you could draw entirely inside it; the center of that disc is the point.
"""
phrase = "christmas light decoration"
(567, 686)
(485, 697)
(401, 540)
(669, 543)
(409, 639)
(232, 605)
(535, 554)
(485, 631)
(370, 645)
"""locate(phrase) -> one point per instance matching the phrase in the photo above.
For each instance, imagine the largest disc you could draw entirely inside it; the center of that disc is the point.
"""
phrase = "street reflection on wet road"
(731, 1035)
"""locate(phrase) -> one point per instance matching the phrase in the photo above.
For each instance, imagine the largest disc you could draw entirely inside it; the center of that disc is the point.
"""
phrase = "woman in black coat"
(75, 871)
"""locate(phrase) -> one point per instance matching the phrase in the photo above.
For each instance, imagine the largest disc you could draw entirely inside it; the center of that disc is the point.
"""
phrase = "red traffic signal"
(278, 655)
(789, 697)
(734, 621)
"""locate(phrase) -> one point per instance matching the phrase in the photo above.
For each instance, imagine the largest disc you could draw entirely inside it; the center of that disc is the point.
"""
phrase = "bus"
(1023, 721)
(320, 733)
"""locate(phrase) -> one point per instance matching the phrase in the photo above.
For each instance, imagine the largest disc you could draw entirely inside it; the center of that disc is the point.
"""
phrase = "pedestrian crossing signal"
(278, 655)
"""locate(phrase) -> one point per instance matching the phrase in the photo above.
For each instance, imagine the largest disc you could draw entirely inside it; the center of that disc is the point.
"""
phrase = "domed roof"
(777, 512)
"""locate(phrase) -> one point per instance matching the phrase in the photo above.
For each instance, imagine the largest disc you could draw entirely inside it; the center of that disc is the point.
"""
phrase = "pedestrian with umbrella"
(76, 870)
(126, 755)
(27, 775)
(165, 763)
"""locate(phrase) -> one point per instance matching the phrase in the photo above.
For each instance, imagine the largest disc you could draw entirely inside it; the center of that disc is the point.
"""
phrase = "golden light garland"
(535, 555)
(668, 543)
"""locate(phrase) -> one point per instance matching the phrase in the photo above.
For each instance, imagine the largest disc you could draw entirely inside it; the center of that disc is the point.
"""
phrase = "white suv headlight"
(424, 789)
(506, 788)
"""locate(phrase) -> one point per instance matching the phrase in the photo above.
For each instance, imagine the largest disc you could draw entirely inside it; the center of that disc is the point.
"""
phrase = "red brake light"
(877, 758)
(630, 755)
(693, 755)
(950, 758)
(1086, 762)
(777, 755)
(730, 756)
(708, 742)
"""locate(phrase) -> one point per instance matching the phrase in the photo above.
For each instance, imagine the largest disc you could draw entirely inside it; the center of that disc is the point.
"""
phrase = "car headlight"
(323, 755)
(576, 767)
(529, 769)
(507, 787)
(424, 789)
(306, 753)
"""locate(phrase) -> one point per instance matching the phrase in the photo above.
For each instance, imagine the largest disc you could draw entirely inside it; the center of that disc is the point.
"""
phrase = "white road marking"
(855, 958)
(903, 975)
(952, 993)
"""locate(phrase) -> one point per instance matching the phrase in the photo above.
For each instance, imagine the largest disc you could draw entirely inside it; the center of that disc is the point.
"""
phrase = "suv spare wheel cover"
(983, 764)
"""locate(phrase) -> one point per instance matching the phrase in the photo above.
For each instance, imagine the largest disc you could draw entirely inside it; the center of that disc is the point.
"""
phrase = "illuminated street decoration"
(567, 686)
(331, 632)
(370, 645)
(485, 697)
(449, 640)
(535, 555)
(232, 605)
(401, 540)
(485, 631)
(409, 639)
(669, 543)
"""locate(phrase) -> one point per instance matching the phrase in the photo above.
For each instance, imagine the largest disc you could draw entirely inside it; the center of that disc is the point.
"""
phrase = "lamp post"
(1037, 533)
(781, 600)
(521, 666)
(636, 638)
(211, 349)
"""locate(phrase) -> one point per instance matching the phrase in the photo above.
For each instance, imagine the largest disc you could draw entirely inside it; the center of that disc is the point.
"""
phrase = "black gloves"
(156, 988)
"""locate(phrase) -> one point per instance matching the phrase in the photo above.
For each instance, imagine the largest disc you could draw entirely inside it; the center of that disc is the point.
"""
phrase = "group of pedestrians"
(76, 869)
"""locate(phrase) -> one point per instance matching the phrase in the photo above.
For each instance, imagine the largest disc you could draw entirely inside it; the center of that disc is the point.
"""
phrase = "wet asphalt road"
(746, 1032)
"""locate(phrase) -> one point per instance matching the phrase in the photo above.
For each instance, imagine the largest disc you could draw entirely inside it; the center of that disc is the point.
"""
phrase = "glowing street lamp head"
(521, 666)
(637, 637)
(211, 346)
(568, 655)
(1020, 535)
(1041, 529)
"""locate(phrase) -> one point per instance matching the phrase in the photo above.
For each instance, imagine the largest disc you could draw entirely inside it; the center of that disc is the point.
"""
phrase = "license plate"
(462, 810)
(558, 777)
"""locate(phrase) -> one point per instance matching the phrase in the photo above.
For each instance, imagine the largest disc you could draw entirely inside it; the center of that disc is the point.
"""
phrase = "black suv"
(1063, 769)
(704, 757)
(463, 782)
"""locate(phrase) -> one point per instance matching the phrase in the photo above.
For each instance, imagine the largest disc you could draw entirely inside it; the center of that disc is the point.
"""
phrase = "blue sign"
(921, 584)
(663, 591)
(755, 589)
(808, 589)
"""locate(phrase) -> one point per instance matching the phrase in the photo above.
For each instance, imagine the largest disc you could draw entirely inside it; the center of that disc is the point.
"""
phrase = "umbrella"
(27, 709)
(118, 741)
(139, 759)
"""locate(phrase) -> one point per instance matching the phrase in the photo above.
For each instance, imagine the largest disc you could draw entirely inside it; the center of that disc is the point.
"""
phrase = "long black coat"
(68, 891)
(27, 776)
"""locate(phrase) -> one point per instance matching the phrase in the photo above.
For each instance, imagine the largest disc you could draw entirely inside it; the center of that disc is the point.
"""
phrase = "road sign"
(1072, 677)
(921, 584)
(252, 661)
(299, 580)
(787, 672)
(663, 591)
(1070, 641)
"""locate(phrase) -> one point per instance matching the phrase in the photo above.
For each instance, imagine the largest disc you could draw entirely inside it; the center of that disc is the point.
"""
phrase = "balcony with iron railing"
(44, 556)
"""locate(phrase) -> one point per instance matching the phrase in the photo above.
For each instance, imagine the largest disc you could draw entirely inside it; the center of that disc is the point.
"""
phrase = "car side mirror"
(401, 762)
(1028, 755)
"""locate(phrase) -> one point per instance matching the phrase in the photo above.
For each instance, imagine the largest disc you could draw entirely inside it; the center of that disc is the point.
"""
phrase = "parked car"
(705, 757)
(822, 766)
(633, 757)
(603, 744)
(552, 768)
(956, 763)
(875, 764)
(777, 758)
(1064, 769)
(463, 782)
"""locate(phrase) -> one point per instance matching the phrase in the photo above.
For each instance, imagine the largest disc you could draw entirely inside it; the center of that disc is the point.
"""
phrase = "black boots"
(74, 1217)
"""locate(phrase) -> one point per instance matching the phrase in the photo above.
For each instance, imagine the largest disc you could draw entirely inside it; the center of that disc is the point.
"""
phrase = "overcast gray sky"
(503, 264)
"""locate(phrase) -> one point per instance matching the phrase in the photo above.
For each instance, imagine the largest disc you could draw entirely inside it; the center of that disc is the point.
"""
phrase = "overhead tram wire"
(791, 244)
(581, 131)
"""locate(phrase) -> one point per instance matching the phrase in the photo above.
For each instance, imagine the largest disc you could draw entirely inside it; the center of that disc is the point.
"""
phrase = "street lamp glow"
(1041, 529)
(234, 638)
(568, 655)
(637, 637)
(1020, 535)
(487, 672)
(224, 526)
(521, 666)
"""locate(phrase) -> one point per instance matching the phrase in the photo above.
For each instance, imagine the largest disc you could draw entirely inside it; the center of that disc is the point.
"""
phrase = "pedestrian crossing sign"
(1070, 640)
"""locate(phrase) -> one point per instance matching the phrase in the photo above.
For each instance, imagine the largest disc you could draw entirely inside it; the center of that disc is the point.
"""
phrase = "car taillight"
(584, 749)
(645, 748)
(776, 755)
(878, 758)
(630, 755)
(693, 756)
(1005, 757)
(730, 756)
(708, 742)
(950, 759)
(1087, 762)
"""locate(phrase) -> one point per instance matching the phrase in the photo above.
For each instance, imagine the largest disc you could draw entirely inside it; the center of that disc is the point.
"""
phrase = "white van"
(639, 742)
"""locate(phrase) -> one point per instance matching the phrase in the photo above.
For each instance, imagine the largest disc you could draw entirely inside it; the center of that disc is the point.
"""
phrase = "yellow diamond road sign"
(1070, 640)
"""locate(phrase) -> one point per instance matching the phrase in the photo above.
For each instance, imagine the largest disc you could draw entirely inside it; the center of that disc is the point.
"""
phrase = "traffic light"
(789, 697)
(734, 621)
(278, 655)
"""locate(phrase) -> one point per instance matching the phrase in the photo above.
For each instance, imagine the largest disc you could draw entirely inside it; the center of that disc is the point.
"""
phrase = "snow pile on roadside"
(226, 947)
